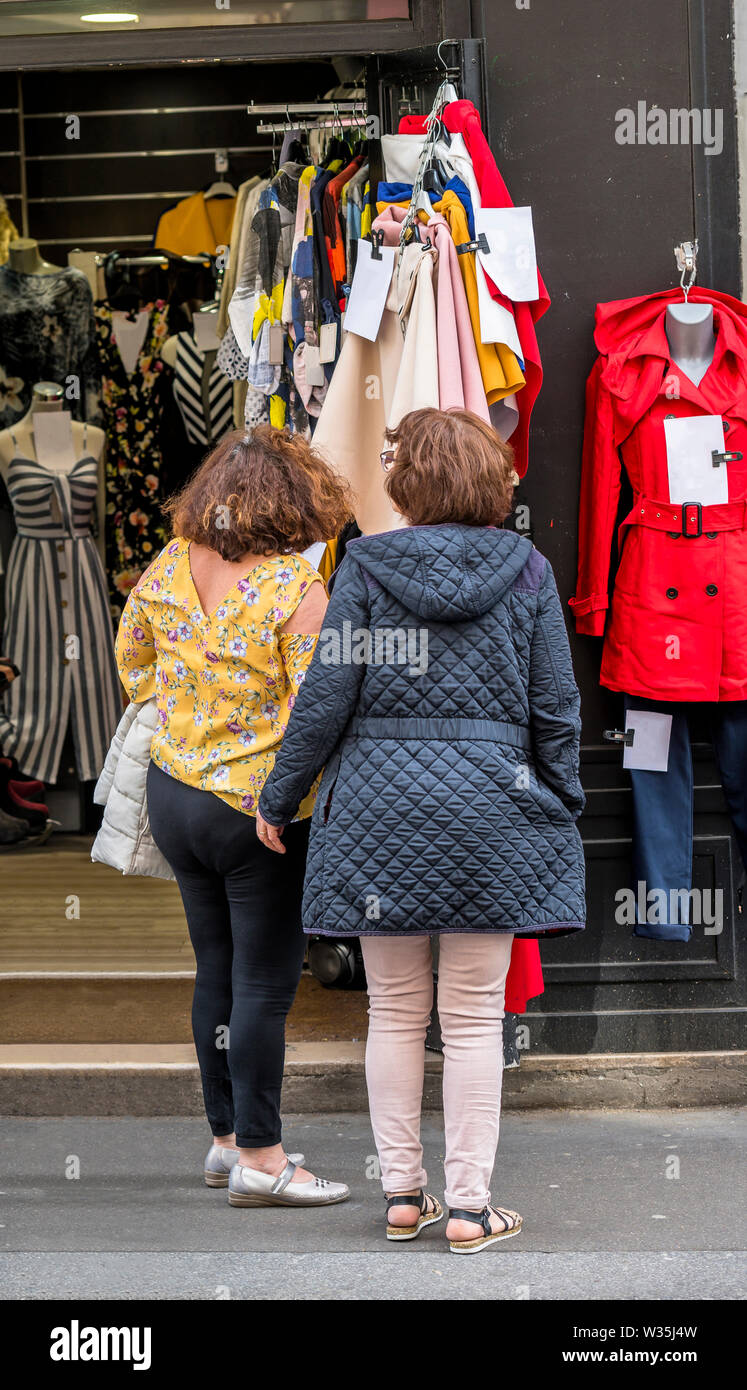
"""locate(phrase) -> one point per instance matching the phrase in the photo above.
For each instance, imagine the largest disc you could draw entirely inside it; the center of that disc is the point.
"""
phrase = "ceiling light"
(111, 18)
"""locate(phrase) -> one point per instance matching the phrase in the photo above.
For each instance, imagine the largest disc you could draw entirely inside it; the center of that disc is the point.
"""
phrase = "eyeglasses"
(388, 457)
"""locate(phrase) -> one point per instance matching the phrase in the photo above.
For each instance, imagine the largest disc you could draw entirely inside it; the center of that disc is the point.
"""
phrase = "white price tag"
(277, 336)
(511, 261)
(369, 290)
(328, 342)
(692, 476)
(649, 751)
(206, 337)
(312, 366)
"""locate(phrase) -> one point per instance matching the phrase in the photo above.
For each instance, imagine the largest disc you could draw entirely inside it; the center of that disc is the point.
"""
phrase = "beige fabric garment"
(242, 217)
(375, 384)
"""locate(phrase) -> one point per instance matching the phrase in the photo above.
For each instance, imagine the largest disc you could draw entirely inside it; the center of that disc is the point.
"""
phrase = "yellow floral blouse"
(225, 684)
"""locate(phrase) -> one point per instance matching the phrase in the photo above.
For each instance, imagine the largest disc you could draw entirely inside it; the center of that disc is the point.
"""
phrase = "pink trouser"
(472, 971)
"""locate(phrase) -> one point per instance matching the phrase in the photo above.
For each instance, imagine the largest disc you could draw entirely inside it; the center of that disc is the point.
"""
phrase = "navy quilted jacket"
(442, 705)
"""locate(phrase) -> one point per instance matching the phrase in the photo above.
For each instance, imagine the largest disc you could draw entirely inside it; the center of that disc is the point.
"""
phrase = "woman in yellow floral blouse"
(221, 629)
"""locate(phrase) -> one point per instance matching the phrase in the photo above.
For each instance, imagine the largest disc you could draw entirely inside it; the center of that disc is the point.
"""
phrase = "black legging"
(243, 907)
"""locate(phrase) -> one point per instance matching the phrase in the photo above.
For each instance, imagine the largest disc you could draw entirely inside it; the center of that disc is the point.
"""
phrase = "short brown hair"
(262, 493)
(450, 467)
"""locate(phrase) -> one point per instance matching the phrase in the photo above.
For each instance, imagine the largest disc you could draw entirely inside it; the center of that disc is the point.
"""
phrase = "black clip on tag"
(481, 244)
(731, 456)
(626, 736)
(376, 241)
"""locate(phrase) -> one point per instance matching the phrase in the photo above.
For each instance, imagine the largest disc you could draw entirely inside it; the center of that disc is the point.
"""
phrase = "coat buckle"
(687, 533)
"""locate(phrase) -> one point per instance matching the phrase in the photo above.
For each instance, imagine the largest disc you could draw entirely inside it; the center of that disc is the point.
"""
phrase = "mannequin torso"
(692, 342)
(18, 442)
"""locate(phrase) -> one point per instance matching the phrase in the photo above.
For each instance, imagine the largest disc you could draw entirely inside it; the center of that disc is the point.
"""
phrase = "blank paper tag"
(276, 344)
(53, 439)
(650, 749)
(511, 262)
(369, 291)
(328, 342)
(206, 337)
(313, 367)
(692, 477)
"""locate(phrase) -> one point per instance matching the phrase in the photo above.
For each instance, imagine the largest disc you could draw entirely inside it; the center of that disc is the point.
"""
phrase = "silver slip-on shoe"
(220, 1161)
(249, 1188)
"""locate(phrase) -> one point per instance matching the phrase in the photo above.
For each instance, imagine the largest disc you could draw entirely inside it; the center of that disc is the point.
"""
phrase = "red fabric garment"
(524, 980)
(334, 236)
(678, 623)
(463, 118)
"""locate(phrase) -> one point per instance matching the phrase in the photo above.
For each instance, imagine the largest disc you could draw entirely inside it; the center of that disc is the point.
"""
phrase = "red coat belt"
(688, 519)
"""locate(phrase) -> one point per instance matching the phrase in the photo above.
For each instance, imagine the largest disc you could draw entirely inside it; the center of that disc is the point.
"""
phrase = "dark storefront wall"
(606, 219)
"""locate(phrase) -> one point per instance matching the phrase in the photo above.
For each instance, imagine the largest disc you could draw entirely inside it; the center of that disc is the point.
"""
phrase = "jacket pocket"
(325, 795)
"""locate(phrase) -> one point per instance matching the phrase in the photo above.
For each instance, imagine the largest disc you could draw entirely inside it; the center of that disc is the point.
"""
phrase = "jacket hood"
(444, 573)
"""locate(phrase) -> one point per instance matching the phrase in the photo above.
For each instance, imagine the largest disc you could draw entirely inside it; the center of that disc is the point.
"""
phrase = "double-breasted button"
(711, 589)
(63, 574)
(672, 593)
(63, 603)
(727, 426)
(60, 546)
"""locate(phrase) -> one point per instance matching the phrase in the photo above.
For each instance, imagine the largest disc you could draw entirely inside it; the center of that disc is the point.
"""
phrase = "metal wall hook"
(686, 256)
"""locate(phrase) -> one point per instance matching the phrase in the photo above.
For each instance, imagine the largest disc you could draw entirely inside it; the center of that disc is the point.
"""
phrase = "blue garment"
(393, 192)
(441, 703)
(663, 812)
(465, 199)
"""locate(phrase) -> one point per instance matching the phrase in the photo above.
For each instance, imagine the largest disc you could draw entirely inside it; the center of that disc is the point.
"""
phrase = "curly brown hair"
(450, 466)
(264, 493)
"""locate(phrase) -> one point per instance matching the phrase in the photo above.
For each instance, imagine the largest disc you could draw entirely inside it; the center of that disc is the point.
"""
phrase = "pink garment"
(459, 376)
(471, 984)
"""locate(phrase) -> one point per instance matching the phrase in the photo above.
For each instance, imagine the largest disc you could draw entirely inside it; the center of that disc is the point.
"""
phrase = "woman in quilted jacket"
(442, 705)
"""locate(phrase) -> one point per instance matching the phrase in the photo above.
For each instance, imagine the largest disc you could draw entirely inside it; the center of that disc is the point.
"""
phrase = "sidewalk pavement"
(616, 1204)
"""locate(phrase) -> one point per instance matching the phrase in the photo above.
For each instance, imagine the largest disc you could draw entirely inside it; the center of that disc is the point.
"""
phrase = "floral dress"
(226, 682)
(135, 529)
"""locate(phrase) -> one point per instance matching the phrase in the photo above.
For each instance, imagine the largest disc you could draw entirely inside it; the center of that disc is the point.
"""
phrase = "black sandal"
(512, 1224)
(428, 1216)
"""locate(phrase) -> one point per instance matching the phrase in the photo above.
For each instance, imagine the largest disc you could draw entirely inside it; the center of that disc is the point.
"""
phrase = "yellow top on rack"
(196, 225)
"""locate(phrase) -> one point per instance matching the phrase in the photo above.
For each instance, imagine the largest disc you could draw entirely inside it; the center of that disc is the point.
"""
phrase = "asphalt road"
(616, 1204)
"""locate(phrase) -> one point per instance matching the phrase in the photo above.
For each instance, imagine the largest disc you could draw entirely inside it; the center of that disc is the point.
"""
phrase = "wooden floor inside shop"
(63, 915)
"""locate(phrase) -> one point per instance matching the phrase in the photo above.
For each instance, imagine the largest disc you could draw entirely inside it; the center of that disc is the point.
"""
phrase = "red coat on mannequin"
(678, 625)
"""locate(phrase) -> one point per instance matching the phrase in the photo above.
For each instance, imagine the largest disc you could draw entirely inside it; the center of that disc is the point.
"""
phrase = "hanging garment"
(8, 230)
(678, 623)
(46, 334)
(203, 393)
(663, 814)
(460, 385)
(57, 626)
(462, 118)
(351, 204)
(135, 528)
(499, 367)
(334, 234)
(228, 283)
(352, 424)
(195, 226)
